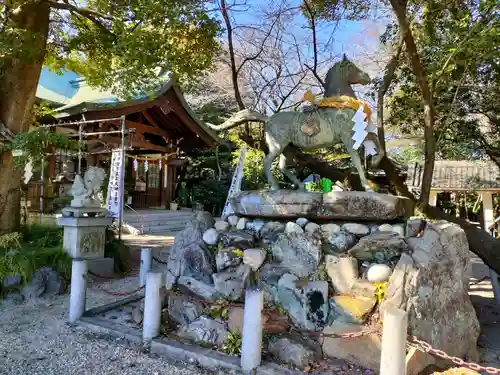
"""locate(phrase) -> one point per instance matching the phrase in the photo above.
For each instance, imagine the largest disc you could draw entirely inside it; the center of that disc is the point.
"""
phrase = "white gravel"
(35, 339)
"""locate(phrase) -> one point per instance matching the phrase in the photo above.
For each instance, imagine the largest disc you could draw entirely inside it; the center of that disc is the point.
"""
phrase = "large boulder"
(206, 330)
(205, 219)
(45, 282)
(199, 288)
(295, 251)
(193, 234)
(238, 239)
(363, 350)
(295, 351)
(231, 284)
(431, 283)
(197, 262)
(226, 258)
(339, 242)
(379, 247)
(307, 306)
(183, 309)
(271, 230)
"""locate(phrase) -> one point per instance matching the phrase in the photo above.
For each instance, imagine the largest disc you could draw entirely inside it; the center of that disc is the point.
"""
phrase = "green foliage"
(320, 274)
(119, 251)
(129, 48)
(208, 179)
(335, 10)
(22, 253)
(218, 311)
(34, 144)
(10, 241)
(238, 253)
(458, 43)
(281, 309)
(254, 177)
(232, 346)
(42, 235)
(61, 202)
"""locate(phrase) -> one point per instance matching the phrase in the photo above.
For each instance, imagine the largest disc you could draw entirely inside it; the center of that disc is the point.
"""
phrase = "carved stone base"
(343, 205)
(84, 237)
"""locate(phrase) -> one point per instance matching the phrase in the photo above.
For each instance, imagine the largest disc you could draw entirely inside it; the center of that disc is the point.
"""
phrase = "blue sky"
(358, 39)
(351, 37)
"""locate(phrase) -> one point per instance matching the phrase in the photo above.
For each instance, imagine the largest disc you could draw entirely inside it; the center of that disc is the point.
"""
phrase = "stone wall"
(330, 276)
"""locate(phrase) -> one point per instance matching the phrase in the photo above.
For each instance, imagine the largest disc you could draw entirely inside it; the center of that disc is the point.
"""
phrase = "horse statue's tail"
(239, 118)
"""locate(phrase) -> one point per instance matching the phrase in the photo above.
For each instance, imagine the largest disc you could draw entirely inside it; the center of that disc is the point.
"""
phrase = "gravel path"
(35, 339)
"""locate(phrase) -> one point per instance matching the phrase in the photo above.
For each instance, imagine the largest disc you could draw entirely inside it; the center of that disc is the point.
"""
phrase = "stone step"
(160, 225)
(158, 220)
(163, 229)
(148, 218)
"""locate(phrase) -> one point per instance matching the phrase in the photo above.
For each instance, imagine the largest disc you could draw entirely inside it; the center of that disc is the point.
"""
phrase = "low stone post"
(393, 357)
(78, 294)
(145, 267)
(495, 283)
(251, 348)
(152, 306)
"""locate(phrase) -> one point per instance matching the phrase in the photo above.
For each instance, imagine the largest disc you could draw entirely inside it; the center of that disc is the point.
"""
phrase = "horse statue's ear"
(344, 57)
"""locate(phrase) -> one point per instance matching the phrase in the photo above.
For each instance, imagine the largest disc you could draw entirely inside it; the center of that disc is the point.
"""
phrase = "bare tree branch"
(312, 19)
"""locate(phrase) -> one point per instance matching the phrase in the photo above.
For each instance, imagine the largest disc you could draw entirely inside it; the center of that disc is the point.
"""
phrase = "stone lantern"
(84, 223)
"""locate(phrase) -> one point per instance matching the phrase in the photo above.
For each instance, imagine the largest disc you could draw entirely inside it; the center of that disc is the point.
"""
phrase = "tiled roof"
(448, 174)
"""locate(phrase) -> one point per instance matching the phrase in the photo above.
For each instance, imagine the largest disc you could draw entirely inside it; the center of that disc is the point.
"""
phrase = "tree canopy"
(114, 44)
(459, 44)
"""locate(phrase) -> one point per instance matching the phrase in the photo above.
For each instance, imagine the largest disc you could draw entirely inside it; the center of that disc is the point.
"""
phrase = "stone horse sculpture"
(318, 127)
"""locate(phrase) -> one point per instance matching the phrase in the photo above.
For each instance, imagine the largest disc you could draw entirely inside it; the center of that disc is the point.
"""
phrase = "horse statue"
(322, 125)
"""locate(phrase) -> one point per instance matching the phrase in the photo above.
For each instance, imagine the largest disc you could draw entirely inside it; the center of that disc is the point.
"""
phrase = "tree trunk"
(232, 57)
(18, 83)
(399, 7)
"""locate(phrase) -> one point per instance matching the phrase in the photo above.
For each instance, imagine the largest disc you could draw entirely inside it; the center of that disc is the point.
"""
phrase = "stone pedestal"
(337, 205)
(84, 232)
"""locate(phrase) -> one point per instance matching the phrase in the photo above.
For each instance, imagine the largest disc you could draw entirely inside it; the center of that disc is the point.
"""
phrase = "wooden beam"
(186, 119)
(149, 146)
(135, 143)
(143, 128)
(150, 118)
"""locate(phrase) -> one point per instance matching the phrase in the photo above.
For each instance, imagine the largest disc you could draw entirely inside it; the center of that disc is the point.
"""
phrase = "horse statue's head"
(341, 76)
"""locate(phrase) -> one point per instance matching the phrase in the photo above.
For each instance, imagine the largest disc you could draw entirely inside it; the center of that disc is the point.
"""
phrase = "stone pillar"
(152, 306)
(488, 209)
(78, 294)
(433, 197)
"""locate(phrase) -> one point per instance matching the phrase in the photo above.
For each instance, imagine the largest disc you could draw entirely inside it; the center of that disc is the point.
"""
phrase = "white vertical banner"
(235, 187)
(114, 199)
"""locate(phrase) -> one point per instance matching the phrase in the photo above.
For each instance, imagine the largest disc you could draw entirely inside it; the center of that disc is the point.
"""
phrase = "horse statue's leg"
(274, 150)
(356, 160)
(289, 174)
